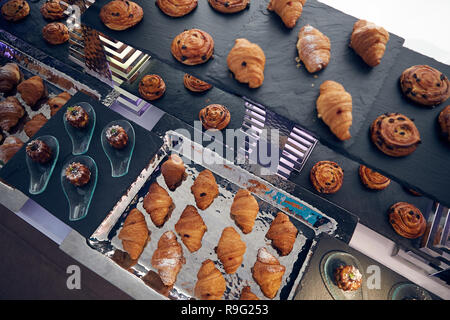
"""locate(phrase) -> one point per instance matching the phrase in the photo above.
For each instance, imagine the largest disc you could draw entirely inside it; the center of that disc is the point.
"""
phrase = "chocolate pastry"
(373, 180)
(395, 134)
(55, 33)
(369, 41)
(120, 15)
(244, 210)
(192, 47)
(229, 6)
(313, 48)
(215, 117)
(9, 148)
(205, 189)
(247, 294)
(425, 85)
(348, 278)
(210, 284)
(58, 102)
(268, 273)
(194, 84)
(173, 171)
(31, 90)
(117, 137)
(327, 176)
(78, 174)
(33, 126)
(288, 10)
(444, 122)
(77, 117)
(10, 112)
(152, 87)
(176, 8)
(407, 220)
(134, 234)
(246, 61)
(52, 10)
(10, 77)
(282, 232)
(230, 250)
(191, 228)
(15, 10)
(158, 204)
(39, 151)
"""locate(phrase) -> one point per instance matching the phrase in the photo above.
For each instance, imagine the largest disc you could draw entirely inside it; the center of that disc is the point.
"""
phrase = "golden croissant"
(268, 273)
(369, 41)
(134, 234)
(158, 204)
(210, 284)
(31, 90)
(288, 10)
(246, 61)
(168, 258)
(334, 106)
(173, 172)
(205, 189)
(191, 228)
(247, 294)
(313, 48)
(230, 250)
(244, 210)
(282, 232)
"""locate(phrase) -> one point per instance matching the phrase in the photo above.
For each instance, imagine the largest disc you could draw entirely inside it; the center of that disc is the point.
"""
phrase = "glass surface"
(40, 173)
(119, 158)
(81, 137)
(329, 263)
(79, 198)
(408, 291)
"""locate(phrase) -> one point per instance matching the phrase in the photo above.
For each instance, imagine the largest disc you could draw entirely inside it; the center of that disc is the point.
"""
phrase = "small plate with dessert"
(79, 121)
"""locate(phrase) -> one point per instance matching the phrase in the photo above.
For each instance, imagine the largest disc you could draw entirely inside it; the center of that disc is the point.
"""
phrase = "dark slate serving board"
(108, 191)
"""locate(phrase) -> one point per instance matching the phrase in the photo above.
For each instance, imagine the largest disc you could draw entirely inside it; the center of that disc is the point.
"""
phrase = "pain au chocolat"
(192, 47)
(120, 15)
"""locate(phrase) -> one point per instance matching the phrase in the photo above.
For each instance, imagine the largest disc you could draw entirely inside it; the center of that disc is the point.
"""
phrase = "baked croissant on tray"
(205, 189)
(247, 294)
(9, 148)
(210, 284)
(282, 232)
(268, 273)
(10, 76)
(288, 10)
(173, 171)
(244, 210)
(230, 250)
(158, 204)
(11, 111)
(191, 228)
(33, 126)
(32, 90)
(134, 234)
(313, 48)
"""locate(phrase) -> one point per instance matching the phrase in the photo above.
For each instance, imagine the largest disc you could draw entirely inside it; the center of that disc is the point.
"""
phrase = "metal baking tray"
(230, 177)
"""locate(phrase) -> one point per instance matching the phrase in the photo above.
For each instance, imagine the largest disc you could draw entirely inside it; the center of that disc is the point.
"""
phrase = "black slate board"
(108, 191)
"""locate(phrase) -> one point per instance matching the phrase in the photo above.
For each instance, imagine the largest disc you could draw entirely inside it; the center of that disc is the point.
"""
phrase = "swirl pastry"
(176, 8)
(134, 234)
(214, 117)
(230, 250)
(369, 41)
(194, 84)
(77, 117)
(372, 179)
(407, 220)
(9, 148)
(246, 61)
(191, 228)
(55, 33)
(33, 126)
(229, 6)
(158, 204)
(247, 294)
(268, 273)
(192, 47)
(58, 102)
(244, 210)
(288, 10)
(120, 15)
(11, 111)
(313, 48)
(15, 10)
(168, 258)
(205, 189)
(444, 122)
(348, 278)
(10, 77)
(210, 284)
(334, 107)
(78, 174)
(395, 134)
(152, 87)
(31, 90)
(52, 10)
(425, 85)
(39, 151)
(282, 232)
(327, 176)
(173, 171)
(117, 137)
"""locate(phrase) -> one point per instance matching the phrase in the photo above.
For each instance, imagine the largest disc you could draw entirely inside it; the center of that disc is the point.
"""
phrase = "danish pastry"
(192, 47)
(288, 10)
(205, 189)
(210, 284)
(407, 220)
(194, 84)
(176, 8)
(247, 294)
(38, 151)
(372, 179)
(31, 90)
(33, 126)
(348, 278)
(58, 102)
(134, 234)
(230, 250)
(229, 6)
(215, 117)
(268, 273)
(158, 204)
(120, 15)
(444, 122)
(15, 10)
(191, 228)
(173, 171)
(10, 77)
(244, 210)
(313, 48)
(52, 10)
(11, 111)
(327, 176)
(282, 232)
(55, 33)
(9, 148)
(152, 87)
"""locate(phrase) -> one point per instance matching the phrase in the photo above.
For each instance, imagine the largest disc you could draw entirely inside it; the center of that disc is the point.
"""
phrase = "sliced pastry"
(192, 47)
(288, 10)
(230, 250)
(55, 33)
(33, 126)
(173, 171)
(120, 15)
(191, 228)
(58, 102)
(11, 111)
(15, 10)
(205, 189)
(444, 122)
(407, 220)
(283, 233)
(152, 87)
(327, 177)
(372, 179)
(134, 234)
(194, 84)
(215, 117)
(10, 77)
(176, 8)
(247, 294)
(158, 204)
(210, 284)
(52, 10)
(229, 6)
(9, 148)
(31, 90)
(313, 48)
(268, 273)
(244, 210)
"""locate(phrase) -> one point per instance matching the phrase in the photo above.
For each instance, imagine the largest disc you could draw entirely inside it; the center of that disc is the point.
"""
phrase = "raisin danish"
(229, 6)
(33, 126)
(55, 33)
(10, 77)
(152, 87)
(214, 117)
(407, 220)
(282, 232)
(9, 148)
(327, 176)
(15, 10)
(176, 8)
(191, 228)
(134, 234)
(288, 10)
(313, 48)
(444, 122)
(372, 179)
(205, 189)
(395, 134)
(268, 273)
(244, 210)
(192, 47)
(31, 90)
(230, 250)
(52, 10)
(120, 15)
(194, 84)
(11, 111)
(425, 85)
(211, 284)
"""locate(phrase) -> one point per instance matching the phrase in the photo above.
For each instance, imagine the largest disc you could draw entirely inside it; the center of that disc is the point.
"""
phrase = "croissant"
(369, 41)
(10, 76)
(10, 112)
(134, 234)
(33, 126)
(173, 171)
(158, 204)
(334, 106)
(288, 10)
(282, 232)
(168, 258)
(313, 48)
(58, 102)
(32, 90)
(246, 61)
(230, 250)
(210, 284)
(247, 294)
(268, 273)
(205, 189)
(191, 228)
(244, 210)
(9, 148)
